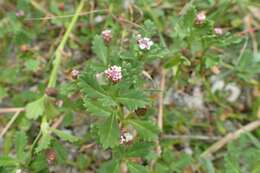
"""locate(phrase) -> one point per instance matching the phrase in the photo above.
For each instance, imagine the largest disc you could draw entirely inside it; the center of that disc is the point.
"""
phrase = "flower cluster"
(144, 43)
(200, 18)
(126, 137)
(114, 73)
(107, 35)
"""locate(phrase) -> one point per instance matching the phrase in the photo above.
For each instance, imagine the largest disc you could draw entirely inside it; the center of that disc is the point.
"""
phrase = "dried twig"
(162, 86)
(230, 137)
(67, 16)
(57, 122)
(192, 137)
(9, 124)
(8, 110)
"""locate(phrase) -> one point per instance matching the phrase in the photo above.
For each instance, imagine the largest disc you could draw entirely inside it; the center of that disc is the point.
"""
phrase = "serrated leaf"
(149, 28)
(95, 108)
(65, 135)
(109, 132)
(100, 48)
(147, 130)
(90, 87)
(7, 161)
(132, 100)
(39, 163)
(61, 152)
(43, 143)
(20, 144)
(138, 150)
(35, 109)
(136, 168)
(110, 166)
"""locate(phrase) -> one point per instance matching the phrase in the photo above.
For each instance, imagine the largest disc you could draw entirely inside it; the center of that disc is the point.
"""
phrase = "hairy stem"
(58, 52)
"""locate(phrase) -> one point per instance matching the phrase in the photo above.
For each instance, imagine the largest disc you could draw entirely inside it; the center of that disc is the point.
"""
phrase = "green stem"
(57, 60)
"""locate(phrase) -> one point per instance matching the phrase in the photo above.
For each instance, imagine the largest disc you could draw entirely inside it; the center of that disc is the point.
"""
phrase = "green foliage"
(7, 161)
(136, 168)
(35, 108)
(109, 132)
(20, 146)
(147, 130)
(100, 49)
(65, 135)
(42, 44)
(110, 166)
(43, 143)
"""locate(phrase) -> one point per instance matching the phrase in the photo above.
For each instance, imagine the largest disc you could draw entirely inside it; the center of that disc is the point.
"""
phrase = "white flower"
(74, 74)
(144, 43)
(218, 31)
(126, 137)
(114, 73)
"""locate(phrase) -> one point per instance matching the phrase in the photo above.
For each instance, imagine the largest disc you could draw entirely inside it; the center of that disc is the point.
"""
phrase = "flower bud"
(52, 92)
(51, 155)
(61, 6)
(19, 13)
(200, 18)
(107, 35)
(218, 31)
(74, 74)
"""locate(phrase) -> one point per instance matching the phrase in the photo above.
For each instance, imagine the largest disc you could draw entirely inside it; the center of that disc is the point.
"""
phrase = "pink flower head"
(114, 73)
(19, 13)
(218, 31)
(126, 138)
(144, 43)
(201, 17)
(107, 35)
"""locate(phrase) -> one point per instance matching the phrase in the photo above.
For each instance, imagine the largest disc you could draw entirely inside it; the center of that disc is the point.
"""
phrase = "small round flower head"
(19, 13)
(126, 138)
(144, 43)
(74, 74)
(107, 35)
(218, 31)
(114, 73)
(201, 17)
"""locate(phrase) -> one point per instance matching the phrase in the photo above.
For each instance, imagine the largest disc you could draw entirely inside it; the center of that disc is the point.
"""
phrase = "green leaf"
(65, 135)
(20, 145)
(133, 100)
(83, 161)
(90, 87)
(32, 64)
(149, 28)
(146, 129)
(109, 132)
(7, 161)
(138, 150)
(3, 93)
(96, 108)
(35, 109)
(110, 166)
(136, 168)
(43, 143)
(39, 163)
(100, 48)
(61, 152)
